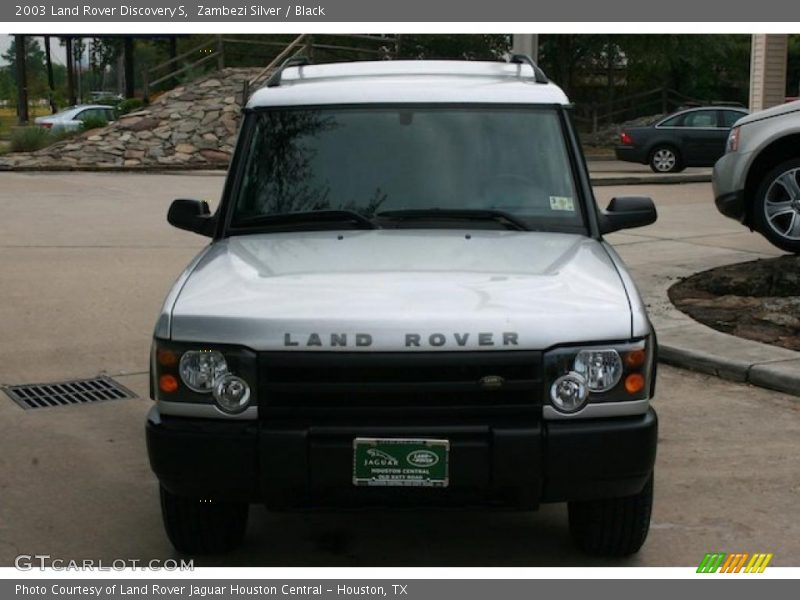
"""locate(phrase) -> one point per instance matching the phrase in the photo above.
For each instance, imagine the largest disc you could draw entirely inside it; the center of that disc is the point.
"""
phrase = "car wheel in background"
(613, 526)
(665, 159)
(776, 212)
(197, 526)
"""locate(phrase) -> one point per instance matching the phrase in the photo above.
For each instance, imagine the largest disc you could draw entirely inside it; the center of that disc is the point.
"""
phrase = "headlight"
(569, 393)
(199, 369)
(232, 394)
(733, 140)
(602, 369)
(221, 375)
(577, 376)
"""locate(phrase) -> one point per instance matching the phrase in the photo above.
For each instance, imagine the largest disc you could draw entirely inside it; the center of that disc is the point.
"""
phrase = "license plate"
(400, 462)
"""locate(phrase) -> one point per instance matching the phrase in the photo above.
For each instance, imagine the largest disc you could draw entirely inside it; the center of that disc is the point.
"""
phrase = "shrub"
(29, 139)
(129, 105)
(94, 123)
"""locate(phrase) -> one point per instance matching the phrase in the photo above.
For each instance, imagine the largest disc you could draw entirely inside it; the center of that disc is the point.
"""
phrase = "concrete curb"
(748, 362)
(648, 179)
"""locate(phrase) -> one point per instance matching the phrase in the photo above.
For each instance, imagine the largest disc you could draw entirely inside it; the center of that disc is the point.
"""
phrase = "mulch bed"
(757, 300)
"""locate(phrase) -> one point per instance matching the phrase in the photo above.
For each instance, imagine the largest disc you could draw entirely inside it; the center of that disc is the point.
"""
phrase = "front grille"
(425, 381)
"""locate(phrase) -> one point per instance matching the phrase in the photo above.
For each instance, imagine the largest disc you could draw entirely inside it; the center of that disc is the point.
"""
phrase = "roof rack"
(524, 59)
(298, 60)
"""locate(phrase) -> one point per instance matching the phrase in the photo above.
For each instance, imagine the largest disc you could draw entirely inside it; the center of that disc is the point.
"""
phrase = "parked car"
(757, 182)
(690, 138)
(407, 300)
(73, 117)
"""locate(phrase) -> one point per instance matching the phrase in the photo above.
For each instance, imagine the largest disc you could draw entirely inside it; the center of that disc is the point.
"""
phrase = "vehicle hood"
(775, 111)
(372, 289)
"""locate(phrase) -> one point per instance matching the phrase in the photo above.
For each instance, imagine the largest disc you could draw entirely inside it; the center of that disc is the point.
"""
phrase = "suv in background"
(407, 301)
(690, 138)
(757, 182)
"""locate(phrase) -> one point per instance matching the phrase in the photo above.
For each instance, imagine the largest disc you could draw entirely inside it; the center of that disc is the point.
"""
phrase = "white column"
(768, 57)
(526, 43)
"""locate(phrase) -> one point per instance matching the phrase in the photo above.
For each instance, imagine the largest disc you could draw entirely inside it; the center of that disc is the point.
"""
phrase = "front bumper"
(728, 182)
(292, 464)
(732, 205)
(631, 154)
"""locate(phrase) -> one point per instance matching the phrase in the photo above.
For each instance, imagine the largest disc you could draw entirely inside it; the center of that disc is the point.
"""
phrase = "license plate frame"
(401, 462)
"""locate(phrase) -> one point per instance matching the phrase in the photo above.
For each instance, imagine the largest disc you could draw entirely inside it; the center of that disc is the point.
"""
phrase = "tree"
(35, 67)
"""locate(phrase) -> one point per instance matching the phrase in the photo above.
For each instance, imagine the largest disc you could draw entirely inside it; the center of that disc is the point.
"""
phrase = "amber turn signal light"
(167, 383)
(635, 358)
(634, 383)
(167, 358)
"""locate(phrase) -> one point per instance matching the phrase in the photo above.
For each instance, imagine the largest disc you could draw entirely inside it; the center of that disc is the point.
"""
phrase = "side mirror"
(627, 212)
(192, 215)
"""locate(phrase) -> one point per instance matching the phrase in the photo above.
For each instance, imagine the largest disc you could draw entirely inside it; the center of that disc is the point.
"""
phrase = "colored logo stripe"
(711, 562)
(734, 563)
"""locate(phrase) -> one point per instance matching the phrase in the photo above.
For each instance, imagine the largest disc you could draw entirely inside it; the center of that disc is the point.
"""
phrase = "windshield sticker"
(562, 203)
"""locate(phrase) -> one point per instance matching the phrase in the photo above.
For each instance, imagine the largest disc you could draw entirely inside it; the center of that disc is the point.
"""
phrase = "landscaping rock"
(190, 125)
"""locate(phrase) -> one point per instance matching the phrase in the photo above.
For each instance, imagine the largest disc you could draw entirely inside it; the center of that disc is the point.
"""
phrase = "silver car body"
(70, 118)
(757, 131)
(274, 291)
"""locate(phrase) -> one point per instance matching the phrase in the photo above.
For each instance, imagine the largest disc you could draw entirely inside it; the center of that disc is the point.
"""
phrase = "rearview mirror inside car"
(192, 215)
(627, 212)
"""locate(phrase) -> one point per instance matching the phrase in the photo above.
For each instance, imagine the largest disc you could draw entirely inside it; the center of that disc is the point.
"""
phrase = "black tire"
(767, 192)
(658, 166)
(612, 527)
(201, 527)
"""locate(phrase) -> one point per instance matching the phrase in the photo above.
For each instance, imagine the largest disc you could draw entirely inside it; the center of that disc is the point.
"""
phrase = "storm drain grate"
(79, 391)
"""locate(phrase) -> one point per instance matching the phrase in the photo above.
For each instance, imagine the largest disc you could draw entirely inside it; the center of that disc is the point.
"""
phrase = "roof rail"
(298, 60)
(524, 59)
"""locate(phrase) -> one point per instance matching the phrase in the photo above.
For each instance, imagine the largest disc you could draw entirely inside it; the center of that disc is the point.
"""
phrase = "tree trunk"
(130, 80)
(22, 80)
(70, 73)
(50, 81)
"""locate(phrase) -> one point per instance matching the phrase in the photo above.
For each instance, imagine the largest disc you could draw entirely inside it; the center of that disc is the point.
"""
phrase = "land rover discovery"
(407, 301)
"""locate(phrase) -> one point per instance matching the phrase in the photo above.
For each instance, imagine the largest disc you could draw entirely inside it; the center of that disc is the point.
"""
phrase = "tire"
(665, 159)
(612, 527)
(198, 527)
(776, 207)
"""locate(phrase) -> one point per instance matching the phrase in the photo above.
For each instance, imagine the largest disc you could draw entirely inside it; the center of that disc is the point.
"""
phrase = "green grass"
(8, 119)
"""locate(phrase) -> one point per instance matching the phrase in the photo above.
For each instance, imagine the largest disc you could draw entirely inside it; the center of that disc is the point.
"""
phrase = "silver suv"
(757, 182)
(407, 301)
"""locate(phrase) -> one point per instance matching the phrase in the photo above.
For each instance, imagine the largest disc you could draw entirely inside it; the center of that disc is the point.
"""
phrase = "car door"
(699, 138)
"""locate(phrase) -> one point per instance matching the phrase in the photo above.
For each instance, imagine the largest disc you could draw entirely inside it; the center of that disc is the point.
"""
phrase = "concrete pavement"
(86, 259)
(691, 236)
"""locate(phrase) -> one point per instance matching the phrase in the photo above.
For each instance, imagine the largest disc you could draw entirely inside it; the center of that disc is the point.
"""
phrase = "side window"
(89, 113)
(729, 117)
(701, 118)
(676, 121)
(109, 114)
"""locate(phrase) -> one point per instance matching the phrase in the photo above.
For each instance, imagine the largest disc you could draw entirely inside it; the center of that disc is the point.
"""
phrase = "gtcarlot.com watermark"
(30, 562)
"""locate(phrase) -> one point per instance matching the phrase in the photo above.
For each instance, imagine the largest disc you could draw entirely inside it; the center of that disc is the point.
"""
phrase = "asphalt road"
(85, 260)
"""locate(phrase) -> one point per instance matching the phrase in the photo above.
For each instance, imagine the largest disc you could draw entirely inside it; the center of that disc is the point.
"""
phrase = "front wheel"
(614, 526)
(197, 526)
(776, 212)
(665, 159)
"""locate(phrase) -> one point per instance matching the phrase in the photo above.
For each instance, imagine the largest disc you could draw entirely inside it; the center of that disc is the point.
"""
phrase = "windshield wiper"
(456, 214)
(331, 219)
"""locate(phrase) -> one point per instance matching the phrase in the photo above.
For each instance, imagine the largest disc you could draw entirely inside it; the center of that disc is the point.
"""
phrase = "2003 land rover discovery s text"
(407, 301)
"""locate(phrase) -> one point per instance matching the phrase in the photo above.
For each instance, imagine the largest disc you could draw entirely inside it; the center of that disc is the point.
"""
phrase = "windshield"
(379, 160)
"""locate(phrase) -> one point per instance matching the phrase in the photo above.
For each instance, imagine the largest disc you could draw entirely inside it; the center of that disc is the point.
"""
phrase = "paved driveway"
(85, 260)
